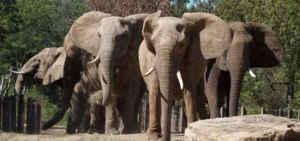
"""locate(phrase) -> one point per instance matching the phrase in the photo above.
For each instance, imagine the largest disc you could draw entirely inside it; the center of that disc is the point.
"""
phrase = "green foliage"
(27, 27)
(48, 106)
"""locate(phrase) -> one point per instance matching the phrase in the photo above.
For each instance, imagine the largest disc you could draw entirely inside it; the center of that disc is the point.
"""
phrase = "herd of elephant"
(106, 63)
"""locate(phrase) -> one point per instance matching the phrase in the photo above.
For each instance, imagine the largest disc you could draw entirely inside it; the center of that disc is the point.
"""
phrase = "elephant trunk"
(19, 85)
(72, 75)
(237, 69)
(165, 71)
(107, 60)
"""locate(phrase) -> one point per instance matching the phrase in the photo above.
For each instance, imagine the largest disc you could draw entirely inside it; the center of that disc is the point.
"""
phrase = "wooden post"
(298, 115)
(290, 113)
(13, 114)
(20, 120)
(243, 111)
(1, 105)
(34, 116)
(6, 114)
(38, 116)
(263, 111)
(28, 116)
(281, 112)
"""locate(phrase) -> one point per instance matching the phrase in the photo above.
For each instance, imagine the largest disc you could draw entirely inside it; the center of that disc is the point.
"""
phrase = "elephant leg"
(200, 103)
(111, 119)
(71, 125)
(85, 124)
(211, 91)
(137, 105)
(189, 101)
(128, 109)
(154, 129)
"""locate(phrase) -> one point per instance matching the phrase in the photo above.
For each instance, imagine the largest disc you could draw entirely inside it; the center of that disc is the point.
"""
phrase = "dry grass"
(58, 134)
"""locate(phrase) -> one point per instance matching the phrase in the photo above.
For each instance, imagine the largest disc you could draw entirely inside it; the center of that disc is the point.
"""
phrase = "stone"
(244, 128)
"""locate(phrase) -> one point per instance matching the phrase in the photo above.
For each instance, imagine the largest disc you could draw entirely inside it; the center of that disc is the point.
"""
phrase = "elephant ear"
(55, 71)
(148, 28)
(266, 49)
(84, 31)
(136, 27)
(209, 32)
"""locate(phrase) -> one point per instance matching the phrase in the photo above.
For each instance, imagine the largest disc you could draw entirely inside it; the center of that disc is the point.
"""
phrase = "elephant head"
(46, 65)
(118, 37)
(169, 38)
(253, 45)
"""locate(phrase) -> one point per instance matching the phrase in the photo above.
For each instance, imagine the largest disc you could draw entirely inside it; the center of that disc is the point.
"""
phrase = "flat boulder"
(244, 128)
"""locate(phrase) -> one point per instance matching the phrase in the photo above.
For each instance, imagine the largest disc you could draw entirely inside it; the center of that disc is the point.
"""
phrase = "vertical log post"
(298, 115)
(13, 124)
(1, 105)
(263, 111)
(20, 118)
(243, 111)
(281, 112)
(6, 114)
(28, 116)
(38, 116)
(290, 113)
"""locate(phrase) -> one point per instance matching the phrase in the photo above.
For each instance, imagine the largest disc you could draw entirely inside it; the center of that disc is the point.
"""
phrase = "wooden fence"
(12, 112)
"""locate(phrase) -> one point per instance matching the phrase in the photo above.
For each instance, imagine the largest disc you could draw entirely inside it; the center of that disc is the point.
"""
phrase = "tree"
(129, 7)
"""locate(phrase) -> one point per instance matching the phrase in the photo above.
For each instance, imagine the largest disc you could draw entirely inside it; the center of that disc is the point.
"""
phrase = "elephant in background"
(173, 58)
(253, 46)
(114, 42)
(48, 65)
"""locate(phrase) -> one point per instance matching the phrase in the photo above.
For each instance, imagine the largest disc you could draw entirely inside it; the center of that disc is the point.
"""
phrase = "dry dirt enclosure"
(58, 134)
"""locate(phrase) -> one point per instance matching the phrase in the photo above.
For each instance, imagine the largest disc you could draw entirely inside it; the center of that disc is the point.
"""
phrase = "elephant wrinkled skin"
(174, 55)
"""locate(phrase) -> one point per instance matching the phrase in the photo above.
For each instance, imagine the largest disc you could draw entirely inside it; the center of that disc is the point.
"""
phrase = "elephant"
(114, 42)
(177, 49)
(253, 46)
(48, 65)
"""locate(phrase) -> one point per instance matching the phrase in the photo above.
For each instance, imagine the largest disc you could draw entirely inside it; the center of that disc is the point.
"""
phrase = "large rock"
(244, 128)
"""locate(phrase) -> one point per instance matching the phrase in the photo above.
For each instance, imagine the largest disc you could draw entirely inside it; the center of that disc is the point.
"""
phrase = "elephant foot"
(92, 131)
(112, 131)
(154, 136)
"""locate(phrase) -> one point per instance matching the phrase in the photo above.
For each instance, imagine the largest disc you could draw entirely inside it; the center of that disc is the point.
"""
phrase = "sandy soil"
(58, 134)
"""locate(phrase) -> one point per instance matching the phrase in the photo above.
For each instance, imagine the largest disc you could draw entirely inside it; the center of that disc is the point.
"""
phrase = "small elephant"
(173, 58)
(114, 42)
(253, 45)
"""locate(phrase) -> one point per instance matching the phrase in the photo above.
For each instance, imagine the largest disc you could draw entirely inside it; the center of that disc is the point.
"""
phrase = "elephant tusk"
(94, 61)
(16, 72)
(35, 76)
(148, 72)
(251, 73)
(180, 79)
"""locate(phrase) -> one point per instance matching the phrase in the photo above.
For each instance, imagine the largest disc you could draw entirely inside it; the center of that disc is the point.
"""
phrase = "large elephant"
(114, 41)
(177, 49)
(253, 45)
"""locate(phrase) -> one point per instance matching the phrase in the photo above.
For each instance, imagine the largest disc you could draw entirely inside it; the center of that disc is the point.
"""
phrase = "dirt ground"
(58, 134)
